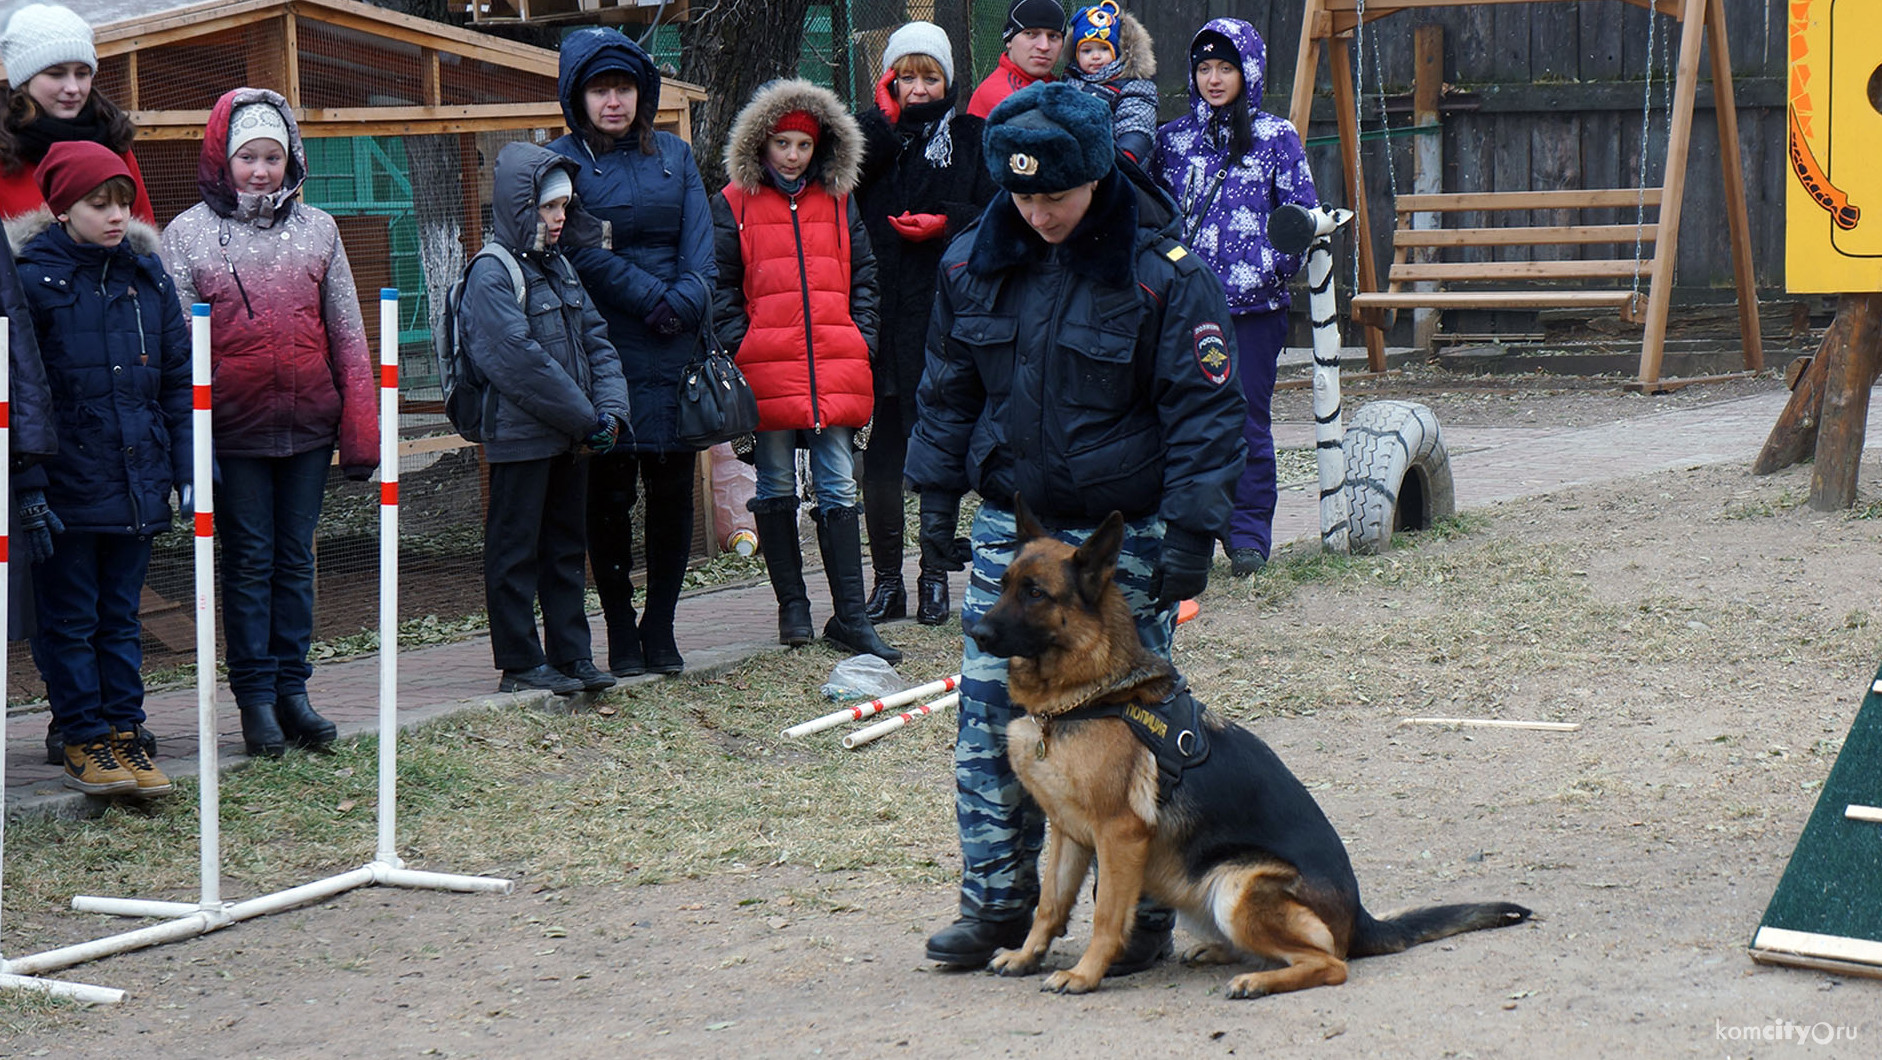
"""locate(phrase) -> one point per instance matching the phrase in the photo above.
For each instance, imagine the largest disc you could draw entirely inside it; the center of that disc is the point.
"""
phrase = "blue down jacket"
(662, 236)
(117, 358)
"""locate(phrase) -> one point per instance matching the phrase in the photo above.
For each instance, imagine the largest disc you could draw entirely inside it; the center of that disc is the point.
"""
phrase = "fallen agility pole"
(11, 980)
(872, 733)
(210, 913)
(1185, 610)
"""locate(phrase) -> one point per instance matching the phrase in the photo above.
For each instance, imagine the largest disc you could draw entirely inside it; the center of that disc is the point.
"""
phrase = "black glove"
(1184, 570)
(40, 523)
(186, 502)
(662, 320)
(940, 512)
(607, 430)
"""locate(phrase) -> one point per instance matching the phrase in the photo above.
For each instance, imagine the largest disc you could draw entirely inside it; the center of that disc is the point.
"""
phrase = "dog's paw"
(1247, 986)
(1014, 963)
(1068, 981)
(1209, 953)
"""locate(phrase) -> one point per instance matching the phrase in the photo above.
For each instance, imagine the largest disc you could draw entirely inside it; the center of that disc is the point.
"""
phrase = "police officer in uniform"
(1081, 357)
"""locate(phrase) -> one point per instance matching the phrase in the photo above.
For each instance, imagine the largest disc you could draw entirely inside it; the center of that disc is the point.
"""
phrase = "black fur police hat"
(1047, 138)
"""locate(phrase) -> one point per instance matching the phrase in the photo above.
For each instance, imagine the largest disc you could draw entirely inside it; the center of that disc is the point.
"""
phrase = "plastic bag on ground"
(862, 677)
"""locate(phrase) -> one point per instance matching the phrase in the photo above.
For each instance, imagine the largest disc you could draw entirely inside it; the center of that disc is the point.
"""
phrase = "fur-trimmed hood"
(217, 185)
(839, 156)
(1135, 49)
(142, 238)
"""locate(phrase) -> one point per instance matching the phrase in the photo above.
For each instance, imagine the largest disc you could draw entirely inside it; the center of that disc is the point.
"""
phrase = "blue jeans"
(1258, 339)
(832, 465)
(88, 647)
(266, 508)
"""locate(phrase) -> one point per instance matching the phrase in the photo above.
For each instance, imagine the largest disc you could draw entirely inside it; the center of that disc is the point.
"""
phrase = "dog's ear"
(1029, 527)
(1096, 559)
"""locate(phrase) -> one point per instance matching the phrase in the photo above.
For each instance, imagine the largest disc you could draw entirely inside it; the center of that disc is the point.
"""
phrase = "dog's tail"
(1417, 926)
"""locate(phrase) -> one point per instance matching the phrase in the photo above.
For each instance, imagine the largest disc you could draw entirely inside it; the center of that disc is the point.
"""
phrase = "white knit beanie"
(257, 121)
(555, 185)
(43, 35)
(921, 38)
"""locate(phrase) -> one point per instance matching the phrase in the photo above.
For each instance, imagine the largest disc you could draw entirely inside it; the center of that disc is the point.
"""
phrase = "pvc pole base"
(84, 903)
(90, 995)
(190, 921)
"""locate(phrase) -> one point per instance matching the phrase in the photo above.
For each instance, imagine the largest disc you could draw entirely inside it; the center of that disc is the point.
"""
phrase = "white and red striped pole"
(6, 516)
(880, 729)
(203, 490)
(874, 707)
(388, 576)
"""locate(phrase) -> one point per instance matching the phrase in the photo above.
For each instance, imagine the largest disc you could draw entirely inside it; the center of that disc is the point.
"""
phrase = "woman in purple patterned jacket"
(1228, 166)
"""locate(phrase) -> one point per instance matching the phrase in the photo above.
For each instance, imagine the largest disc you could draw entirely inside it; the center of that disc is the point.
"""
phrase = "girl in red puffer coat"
(293, 378)
(797, 300)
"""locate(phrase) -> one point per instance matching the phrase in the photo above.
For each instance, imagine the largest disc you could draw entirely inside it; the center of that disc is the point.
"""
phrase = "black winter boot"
(840, 535)
(882, 513)
(931, 593)
(784, 560)
(261, 732)
(971, 942)
(669, 544)
(301, 725)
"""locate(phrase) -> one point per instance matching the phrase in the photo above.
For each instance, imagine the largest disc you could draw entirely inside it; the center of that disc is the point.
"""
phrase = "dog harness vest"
(1171, 730)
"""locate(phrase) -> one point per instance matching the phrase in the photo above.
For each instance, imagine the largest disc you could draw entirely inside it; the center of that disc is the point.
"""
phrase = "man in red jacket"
(1034, 35)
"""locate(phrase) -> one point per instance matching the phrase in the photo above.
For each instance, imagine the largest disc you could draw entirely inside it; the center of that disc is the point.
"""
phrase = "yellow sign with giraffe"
(1833, 203)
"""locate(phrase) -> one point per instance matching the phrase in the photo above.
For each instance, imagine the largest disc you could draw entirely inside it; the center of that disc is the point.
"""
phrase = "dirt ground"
(1723, 640)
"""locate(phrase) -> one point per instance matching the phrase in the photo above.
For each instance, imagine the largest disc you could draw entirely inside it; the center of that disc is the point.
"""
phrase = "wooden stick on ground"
(1495, 723)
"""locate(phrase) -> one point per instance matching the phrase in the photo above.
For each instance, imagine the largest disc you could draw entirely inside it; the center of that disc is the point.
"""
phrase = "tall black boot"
(669, 544)
(784, 559)
(839, 532)
(882, 511)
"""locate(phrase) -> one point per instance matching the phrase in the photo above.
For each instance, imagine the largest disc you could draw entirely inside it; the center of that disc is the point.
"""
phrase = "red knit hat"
(799, 121)
(73, 169)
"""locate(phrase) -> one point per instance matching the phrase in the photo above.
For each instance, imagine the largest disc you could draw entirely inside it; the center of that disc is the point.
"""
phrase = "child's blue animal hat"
(1048, 138)
(1099, 23)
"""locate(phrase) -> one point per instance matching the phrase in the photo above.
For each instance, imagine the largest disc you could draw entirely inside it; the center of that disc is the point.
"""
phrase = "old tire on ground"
(1398, 476)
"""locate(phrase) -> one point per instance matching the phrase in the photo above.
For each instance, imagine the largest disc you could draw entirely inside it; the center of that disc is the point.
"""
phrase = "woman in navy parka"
(654, 288)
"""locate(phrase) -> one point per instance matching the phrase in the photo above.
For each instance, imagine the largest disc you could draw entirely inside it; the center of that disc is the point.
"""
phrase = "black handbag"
(715, 404)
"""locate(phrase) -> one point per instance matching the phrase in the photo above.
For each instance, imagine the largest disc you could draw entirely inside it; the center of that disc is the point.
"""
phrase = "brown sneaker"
(150, 780)
(94, 769)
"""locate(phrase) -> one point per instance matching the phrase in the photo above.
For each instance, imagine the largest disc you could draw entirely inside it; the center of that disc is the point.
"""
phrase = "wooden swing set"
(1333, 25)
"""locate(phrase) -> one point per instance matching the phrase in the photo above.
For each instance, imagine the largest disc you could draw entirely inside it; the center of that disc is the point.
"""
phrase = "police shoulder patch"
(1212, 353)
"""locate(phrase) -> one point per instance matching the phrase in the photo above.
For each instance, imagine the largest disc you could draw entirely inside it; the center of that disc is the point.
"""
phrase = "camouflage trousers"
(1002, 829)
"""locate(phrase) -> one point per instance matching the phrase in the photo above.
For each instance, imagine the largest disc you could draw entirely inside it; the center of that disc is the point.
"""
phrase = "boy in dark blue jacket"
(117, 358)
(554, 390)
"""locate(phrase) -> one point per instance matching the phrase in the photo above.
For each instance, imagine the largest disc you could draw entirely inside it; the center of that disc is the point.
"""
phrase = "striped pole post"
(203, 491)
(873, 707)
(6, 515)
(883, 728)
(388, 575)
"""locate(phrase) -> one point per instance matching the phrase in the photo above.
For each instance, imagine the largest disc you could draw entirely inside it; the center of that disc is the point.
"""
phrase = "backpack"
(466, 391)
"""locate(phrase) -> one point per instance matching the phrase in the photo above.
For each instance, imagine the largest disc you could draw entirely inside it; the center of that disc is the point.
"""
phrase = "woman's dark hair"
(22, 111)
(1241, 126)
(601, 143)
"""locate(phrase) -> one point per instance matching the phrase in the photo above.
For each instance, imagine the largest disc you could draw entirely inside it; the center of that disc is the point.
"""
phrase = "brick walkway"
(722, 627)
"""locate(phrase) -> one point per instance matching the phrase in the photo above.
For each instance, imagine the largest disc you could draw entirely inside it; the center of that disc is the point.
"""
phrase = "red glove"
(919, 227)
(885, 96)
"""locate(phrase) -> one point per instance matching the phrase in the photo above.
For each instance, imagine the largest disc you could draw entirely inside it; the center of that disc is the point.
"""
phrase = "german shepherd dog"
(1236, 846)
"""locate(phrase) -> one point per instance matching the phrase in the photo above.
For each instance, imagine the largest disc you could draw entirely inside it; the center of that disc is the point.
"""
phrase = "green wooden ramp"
(1827, 911)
